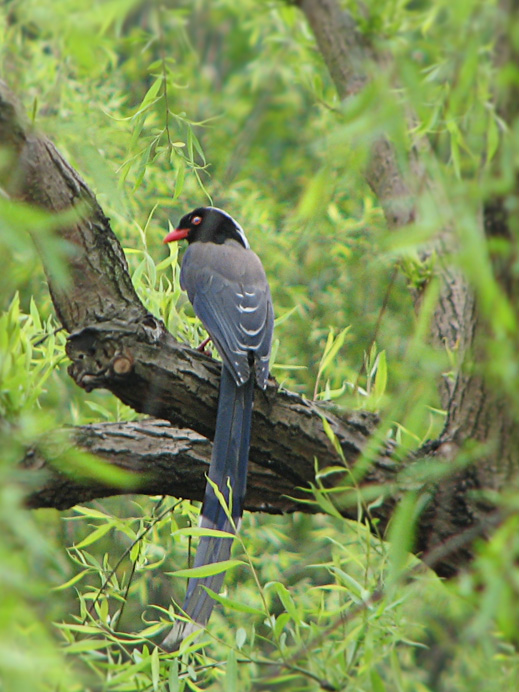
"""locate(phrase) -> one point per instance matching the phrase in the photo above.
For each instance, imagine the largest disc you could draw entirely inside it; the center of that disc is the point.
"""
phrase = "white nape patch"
(237, 225)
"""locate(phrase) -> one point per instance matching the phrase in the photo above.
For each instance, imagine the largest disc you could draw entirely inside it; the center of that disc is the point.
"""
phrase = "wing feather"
(227, 287)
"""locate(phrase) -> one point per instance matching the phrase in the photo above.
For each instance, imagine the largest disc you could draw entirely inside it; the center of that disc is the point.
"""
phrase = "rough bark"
(160, 460)
(164, 460)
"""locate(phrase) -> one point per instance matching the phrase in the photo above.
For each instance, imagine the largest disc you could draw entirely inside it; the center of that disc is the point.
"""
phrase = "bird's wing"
(227, 287)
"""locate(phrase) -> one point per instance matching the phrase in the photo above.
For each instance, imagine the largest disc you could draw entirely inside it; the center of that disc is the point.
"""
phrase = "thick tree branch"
(168, 380)
(163, 460)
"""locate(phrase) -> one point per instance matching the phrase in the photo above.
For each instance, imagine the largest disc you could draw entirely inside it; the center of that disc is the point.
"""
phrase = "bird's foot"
(202, 346)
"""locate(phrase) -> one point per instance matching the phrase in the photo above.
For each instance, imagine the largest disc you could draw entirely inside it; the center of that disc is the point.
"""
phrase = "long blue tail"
(228, 467)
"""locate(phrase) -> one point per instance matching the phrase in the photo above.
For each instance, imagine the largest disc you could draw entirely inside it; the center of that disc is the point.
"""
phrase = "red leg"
(202, 346)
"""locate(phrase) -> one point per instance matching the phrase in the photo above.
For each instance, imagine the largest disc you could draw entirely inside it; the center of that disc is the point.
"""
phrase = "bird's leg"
(202, 346)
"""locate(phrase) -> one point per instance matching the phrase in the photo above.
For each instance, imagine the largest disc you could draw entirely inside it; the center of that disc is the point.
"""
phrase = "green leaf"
(241, 637)
(492, 137)
(155, 669)
(201, 531)
(174, 680)
(381, 377)
(280, 623)
(150, 95)
(92, 513)
(332, 348)
(95, 535)
(180, 175)
(402, 532)
(231, 673)
(87, 645)
(377, 683)
(235, 605)
(77, 577)
(207, 570)
(332, 437)
(286, 599)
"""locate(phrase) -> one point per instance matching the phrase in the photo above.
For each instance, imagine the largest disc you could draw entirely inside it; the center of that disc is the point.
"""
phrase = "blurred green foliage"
(166, 106)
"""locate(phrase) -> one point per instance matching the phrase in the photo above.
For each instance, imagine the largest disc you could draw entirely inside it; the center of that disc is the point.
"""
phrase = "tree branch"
(161, 460)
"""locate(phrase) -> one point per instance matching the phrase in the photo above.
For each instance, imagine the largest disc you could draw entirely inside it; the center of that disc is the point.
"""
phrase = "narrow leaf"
(207, 570)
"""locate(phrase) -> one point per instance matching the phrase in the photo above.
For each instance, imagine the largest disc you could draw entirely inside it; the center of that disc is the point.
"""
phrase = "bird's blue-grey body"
(228, 289)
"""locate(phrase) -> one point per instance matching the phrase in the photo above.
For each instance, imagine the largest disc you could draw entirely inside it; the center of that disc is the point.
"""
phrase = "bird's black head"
(208, 225)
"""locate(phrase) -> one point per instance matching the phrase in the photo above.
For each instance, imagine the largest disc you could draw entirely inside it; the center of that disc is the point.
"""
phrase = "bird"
(227, 286)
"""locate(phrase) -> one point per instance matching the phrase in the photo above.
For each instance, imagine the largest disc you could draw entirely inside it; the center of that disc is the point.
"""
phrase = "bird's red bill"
(177, 234)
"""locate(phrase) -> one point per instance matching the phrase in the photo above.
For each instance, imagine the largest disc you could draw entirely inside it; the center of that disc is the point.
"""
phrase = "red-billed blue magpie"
(226, 284)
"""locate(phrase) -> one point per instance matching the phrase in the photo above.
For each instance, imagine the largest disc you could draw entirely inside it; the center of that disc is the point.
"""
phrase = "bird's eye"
(196, 220)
